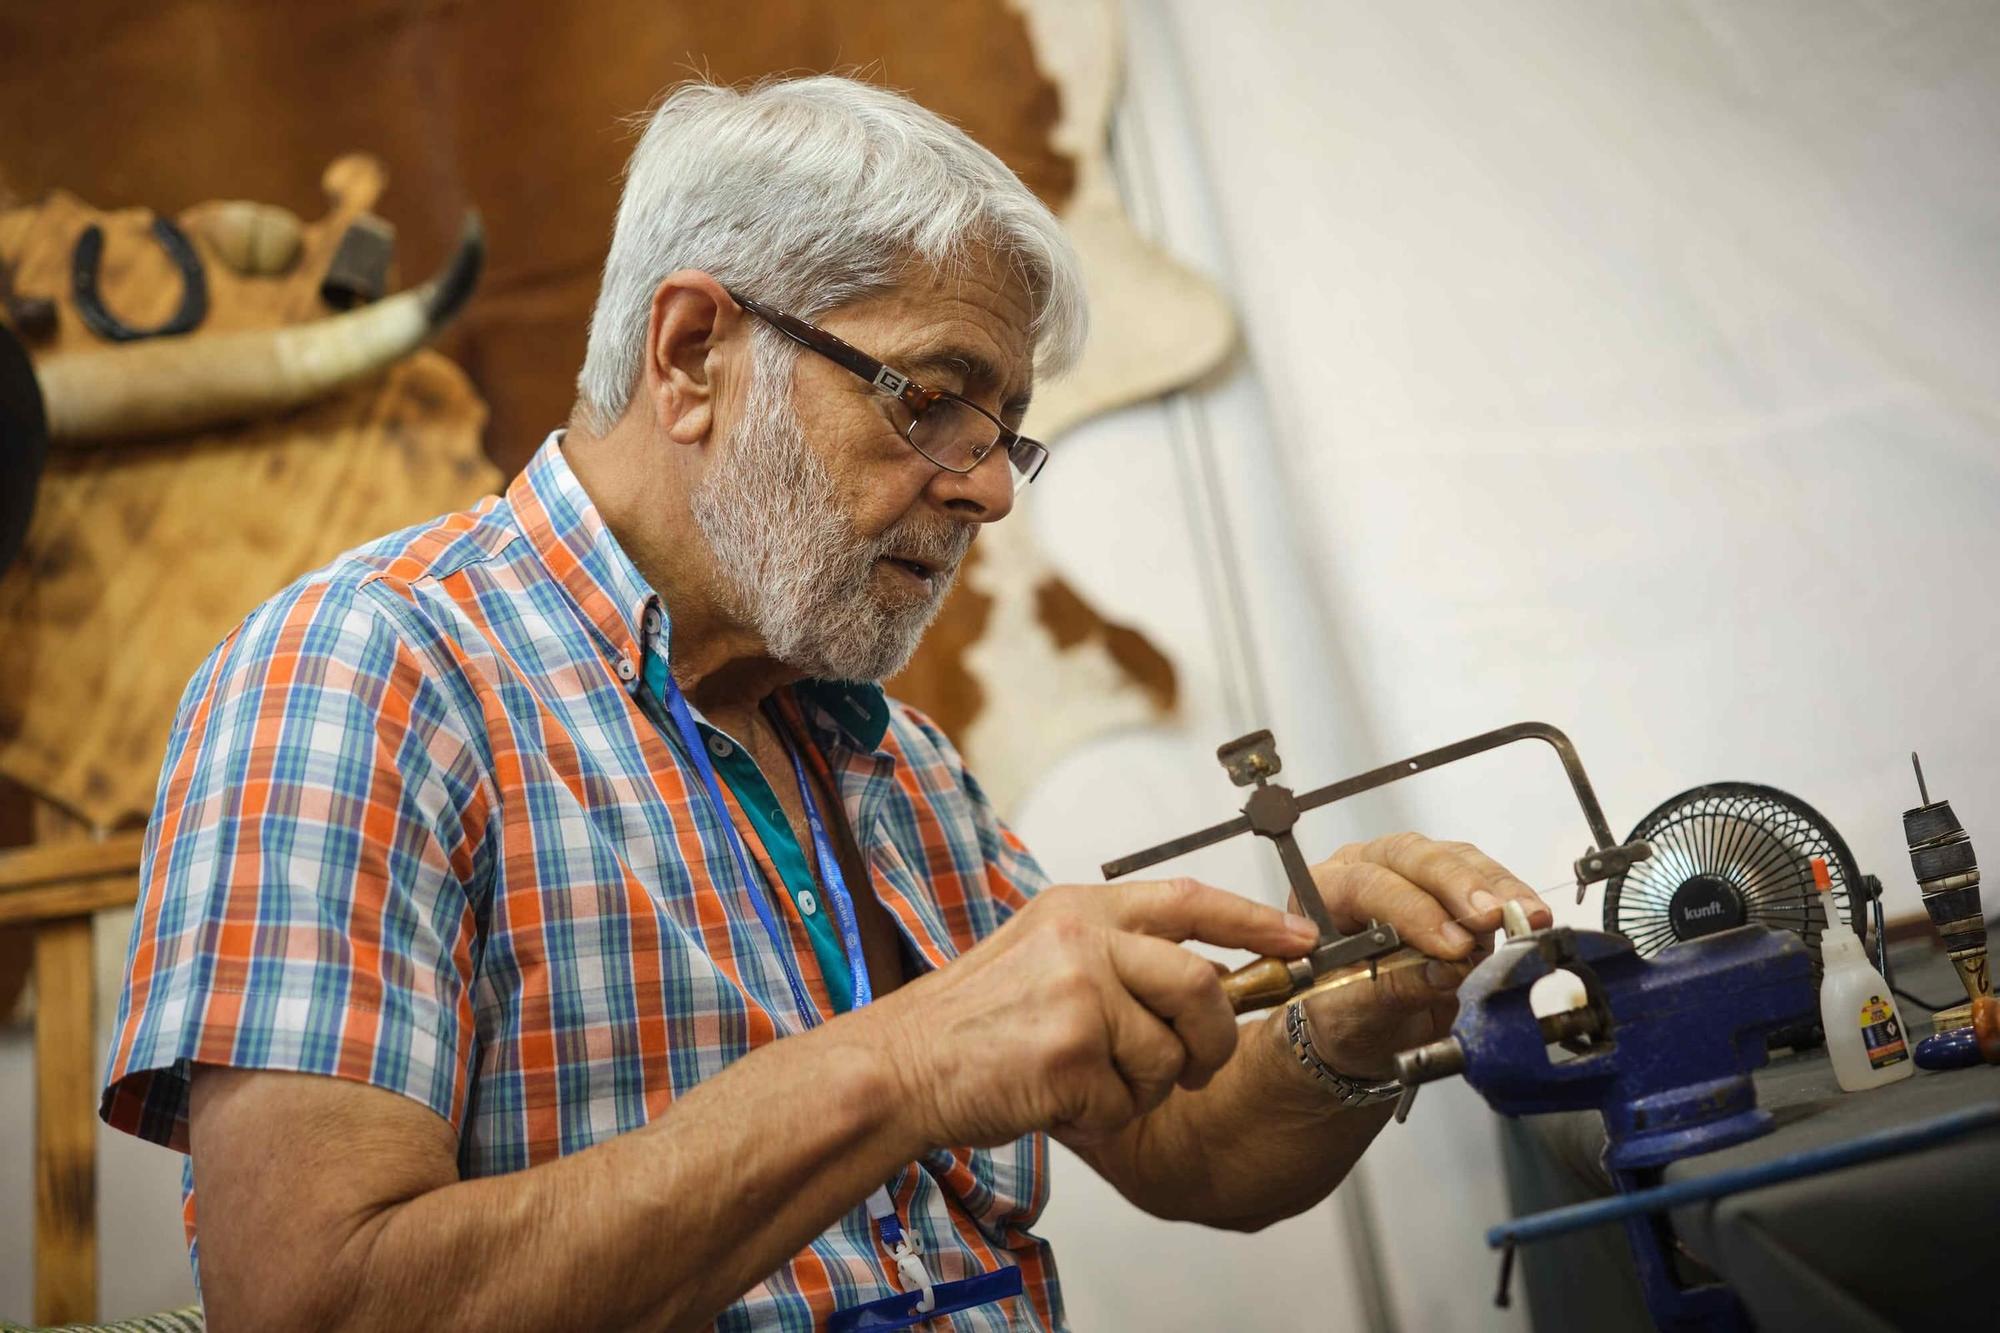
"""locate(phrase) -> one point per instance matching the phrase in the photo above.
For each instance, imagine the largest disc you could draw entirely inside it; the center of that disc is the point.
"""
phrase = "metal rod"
(1593, 813)
(1812, 1161)
(1922, 790)
(1586, 797)
(1167, 851)
(1300, 876)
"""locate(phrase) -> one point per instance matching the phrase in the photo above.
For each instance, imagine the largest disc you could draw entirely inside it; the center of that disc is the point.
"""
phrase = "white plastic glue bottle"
(1864, 1029)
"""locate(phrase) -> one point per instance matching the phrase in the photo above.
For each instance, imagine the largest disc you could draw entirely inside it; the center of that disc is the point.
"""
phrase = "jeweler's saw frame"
(1272, 810)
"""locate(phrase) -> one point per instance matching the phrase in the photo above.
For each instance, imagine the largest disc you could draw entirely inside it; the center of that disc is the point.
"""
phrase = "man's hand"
(1079, 1015)
(1443, 898)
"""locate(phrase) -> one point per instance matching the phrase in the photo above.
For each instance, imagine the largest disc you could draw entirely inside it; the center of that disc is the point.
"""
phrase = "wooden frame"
(56, 888)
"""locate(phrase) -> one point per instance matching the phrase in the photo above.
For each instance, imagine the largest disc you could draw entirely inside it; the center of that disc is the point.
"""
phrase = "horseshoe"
(90, 305)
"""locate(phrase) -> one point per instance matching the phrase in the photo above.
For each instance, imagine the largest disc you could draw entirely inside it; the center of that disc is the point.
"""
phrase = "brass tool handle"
(1272, 981)
(1261, 984)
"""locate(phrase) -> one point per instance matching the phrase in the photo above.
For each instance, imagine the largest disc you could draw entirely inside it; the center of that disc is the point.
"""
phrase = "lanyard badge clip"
(910, 1267)
(904, 1248)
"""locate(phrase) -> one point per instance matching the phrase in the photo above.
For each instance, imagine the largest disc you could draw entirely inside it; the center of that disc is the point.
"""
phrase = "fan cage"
(1760, 840)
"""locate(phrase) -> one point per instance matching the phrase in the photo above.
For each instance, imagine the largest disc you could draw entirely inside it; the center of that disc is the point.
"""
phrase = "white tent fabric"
(1632, 366)
(1627, 367)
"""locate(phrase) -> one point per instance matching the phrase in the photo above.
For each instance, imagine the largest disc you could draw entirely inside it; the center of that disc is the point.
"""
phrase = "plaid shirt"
(415, 829)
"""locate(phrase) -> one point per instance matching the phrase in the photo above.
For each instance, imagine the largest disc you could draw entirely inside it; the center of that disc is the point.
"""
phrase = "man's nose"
(983, 495)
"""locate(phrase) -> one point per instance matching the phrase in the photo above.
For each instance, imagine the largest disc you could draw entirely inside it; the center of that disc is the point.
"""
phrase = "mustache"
(942, 548)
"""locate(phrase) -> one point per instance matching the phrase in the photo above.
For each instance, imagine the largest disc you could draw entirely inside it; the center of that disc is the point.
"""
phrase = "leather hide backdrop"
(520, 109)
(142, 554)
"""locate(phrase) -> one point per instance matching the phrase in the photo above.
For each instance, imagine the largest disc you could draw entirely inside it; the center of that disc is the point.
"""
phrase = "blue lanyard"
(831, 878)
(922, 1298)
(835, 884)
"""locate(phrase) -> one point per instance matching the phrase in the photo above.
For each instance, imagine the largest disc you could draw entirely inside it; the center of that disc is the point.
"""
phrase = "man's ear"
(687, 371)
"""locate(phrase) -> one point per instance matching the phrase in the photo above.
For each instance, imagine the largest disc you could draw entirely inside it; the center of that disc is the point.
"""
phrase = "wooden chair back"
(55, 889)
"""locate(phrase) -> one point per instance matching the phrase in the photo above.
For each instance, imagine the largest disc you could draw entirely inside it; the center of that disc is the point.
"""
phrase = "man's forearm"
(659, 1228)
(1260, 1143)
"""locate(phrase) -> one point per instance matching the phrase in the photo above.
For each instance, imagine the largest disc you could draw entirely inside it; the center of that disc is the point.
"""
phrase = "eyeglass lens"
(956, 436)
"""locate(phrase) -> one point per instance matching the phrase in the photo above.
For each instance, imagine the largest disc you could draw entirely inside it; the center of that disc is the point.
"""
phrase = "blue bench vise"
(1663, 1047)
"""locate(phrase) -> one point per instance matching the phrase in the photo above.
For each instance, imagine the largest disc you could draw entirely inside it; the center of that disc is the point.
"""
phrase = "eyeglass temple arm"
(841, 353)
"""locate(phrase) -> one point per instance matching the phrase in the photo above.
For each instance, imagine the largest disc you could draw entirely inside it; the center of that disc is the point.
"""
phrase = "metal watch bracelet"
(1347, 1091)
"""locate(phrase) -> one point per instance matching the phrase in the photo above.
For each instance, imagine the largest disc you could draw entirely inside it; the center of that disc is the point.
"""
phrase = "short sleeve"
(308, 896)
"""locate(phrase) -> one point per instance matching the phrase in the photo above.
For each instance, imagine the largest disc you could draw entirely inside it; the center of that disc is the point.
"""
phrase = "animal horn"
(169, 385)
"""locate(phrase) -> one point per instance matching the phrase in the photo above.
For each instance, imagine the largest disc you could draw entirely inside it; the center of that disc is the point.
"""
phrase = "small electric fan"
(1732, 854)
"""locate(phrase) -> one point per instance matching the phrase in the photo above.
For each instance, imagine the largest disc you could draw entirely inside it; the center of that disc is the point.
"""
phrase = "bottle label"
(1881, 1034)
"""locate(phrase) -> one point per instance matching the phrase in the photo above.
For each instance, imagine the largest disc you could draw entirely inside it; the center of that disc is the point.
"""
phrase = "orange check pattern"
(416, 829)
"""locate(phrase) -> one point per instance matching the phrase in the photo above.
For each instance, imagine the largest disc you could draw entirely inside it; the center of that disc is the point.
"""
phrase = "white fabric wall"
(1176, 518)
(1632, 366)
(1628, 367)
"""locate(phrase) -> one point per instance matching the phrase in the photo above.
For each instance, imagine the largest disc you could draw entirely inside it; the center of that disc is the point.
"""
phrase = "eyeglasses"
(951, 432)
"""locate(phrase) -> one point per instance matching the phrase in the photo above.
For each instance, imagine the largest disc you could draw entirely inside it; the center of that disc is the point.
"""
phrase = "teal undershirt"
(746, 782)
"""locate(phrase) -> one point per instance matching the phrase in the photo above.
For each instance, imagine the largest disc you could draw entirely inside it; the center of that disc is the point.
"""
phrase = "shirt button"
(808, 904)
(720, 747)
(625, 669)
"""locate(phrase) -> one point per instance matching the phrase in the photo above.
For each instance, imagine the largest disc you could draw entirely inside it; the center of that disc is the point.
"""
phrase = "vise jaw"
(1663, 1047)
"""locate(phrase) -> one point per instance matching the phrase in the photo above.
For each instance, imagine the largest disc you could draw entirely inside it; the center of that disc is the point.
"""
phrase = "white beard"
(794, 568)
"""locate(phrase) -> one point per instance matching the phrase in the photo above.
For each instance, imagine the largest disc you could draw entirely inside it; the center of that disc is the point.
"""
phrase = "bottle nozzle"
(1823, 890)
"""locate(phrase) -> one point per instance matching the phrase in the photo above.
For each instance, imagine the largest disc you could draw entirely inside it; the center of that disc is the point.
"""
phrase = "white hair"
(810, 194)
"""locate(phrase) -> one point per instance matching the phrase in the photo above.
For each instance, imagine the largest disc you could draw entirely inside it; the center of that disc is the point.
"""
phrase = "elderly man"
(549, 923)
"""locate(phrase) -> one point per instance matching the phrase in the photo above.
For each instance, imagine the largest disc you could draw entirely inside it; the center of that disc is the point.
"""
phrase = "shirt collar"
(579, 551)
(857, 708)
(568, 534)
